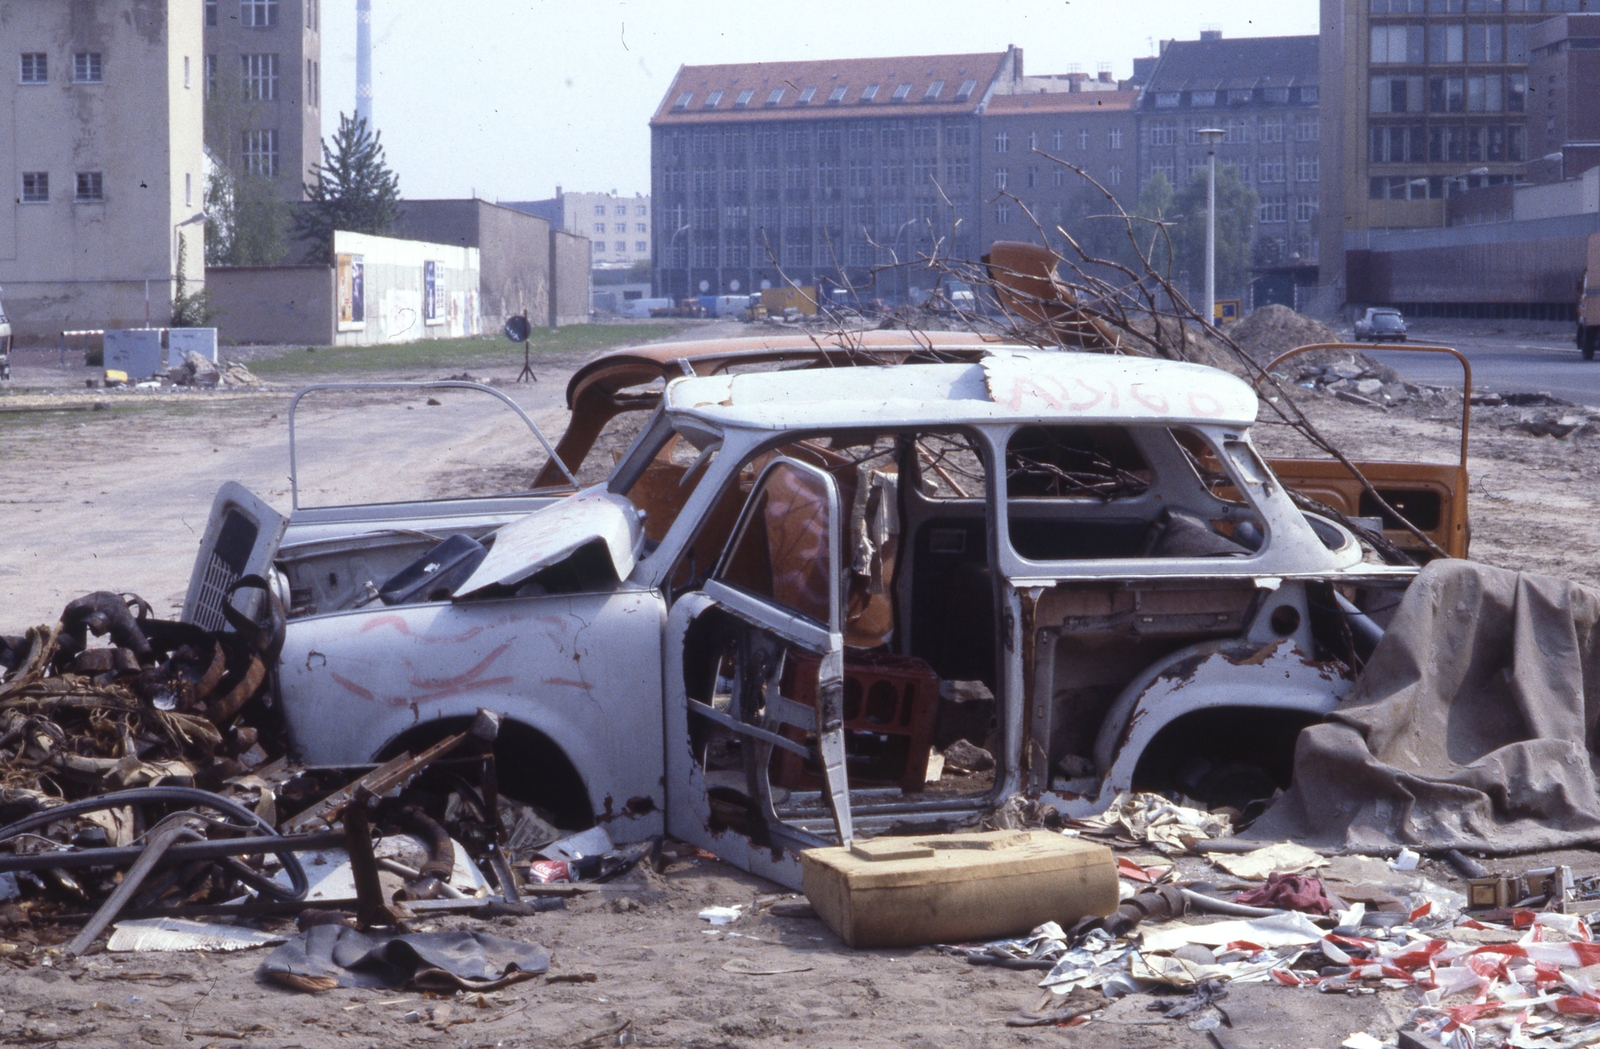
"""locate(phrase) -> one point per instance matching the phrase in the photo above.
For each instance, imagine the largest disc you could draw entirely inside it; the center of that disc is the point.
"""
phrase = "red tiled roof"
(823, 79)
(1064, 102)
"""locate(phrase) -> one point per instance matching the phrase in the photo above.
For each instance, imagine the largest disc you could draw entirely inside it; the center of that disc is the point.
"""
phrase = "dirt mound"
(1273, 330)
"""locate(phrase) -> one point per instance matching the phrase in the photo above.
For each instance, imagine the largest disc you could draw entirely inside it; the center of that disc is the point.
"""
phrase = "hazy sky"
(510, 97)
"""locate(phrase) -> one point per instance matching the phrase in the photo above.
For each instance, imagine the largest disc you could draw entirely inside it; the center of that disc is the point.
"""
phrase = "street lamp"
(1211, 136)
(670, 242)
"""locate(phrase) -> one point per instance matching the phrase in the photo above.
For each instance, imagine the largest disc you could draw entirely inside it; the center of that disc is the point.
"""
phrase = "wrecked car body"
(744, 636)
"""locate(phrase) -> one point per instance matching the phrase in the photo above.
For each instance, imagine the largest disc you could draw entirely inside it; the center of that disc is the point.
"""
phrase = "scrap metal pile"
(144, 782)
(1510, 963)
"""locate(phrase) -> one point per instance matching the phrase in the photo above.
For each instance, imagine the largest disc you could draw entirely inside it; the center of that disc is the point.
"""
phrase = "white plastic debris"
(1361, 1040)
(178, 934)
(723, 915)
(1281, 930)
(1284, 858)
(592, 842)
(1406, 861)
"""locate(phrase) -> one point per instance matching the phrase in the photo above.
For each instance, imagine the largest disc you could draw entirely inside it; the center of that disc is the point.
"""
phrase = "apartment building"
(1264, 94)
(617, 225)
(1026, 136)
(1564, 90)
(836, 171)
(263, 88)
(1424, 99)
(106, 162)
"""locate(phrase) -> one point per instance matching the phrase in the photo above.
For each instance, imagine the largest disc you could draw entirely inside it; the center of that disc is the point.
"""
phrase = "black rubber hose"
(187, 795)
(441, 850)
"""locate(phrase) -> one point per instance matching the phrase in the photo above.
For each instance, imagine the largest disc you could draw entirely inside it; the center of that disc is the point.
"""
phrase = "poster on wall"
(352, 293)
(431, 292)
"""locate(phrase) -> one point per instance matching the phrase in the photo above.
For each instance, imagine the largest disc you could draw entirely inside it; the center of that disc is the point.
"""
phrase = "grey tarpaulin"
(1473, 726)
(327, 956)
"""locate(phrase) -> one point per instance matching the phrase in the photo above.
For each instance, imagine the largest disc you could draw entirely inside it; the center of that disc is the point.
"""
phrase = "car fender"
(352, 683)
(1277, 675)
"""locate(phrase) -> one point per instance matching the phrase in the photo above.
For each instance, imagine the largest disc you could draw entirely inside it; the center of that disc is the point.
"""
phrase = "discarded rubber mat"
(1470, 727)
(328, 956)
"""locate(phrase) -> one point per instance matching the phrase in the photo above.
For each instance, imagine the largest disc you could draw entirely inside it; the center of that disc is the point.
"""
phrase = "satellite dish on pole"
(518, 329)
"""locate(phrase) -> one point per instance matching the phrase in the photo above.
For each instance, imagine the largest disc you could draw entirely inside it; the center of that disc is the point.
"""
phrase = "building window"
(1271, 170)
(1272, 211)
(1033, 141)
(86, 68)
(1059, 177)
(1002, 142)
(258, 14)
(640, 210)
(1058, 140)
(622, 227)
(640, 227)
(36, 187)
(960, 171)
(1305, 209)
(1272, 131)
(1163, 133)
(1083, 138)
(186, 72)
(1202, 99)
(91, 188)
(211, 76)
(600, 210)
(311, 15)
(641, 246)
(599, 227)
(35, 68)
(1308, 96)
(622, 209)
(211, 12)
(260, 77)
(1001, 177)
(1307, 131)
(1033, 174)
(1307, 169)
(259, 150)
(188, 190)
(1002, 214)
(1168, 99)
(620, 247)
(1114, 138)
(1115, 177)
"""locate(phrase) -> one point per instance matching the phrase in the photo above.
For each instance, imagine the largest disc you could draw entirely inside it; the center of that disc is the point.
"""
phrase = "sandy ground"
(116, 498)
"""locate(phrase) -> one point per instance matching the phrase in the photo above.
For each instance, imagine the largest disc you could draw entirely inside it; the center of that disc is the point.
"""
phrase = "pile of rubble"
(1358, 379)
(1509, 961)
(1536, 414)
(145, 791)
(195, 372)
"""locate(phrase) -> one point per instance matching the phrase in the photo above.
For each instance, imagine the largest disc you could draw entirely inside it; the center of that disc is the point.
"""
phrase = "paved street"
(1504, 361)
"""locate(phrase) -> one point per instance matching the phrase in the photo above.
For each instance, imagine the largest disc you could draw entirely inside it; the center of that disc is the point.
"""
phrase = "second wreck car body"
(755, 615)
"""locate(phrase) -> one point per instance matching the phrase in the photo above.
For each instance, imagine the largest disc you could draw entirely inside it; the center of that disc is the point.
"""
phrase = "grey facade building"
(263, 88)
(1264, 93)
(839, 172)
(618, 226)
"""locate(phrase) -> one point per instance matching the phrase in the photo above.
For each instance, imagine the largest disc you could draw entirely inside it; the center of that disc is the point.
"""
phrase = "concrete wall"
(394, 286)
(569, 268)
(513, 252)
(1577, 196)
(273, 304)
(1537, 263)
(71, 264)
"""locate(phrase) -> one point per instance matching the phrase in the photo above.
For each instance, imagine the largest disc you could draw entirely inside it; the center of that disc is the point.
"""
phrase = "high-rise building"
(619, 226)
(105, 161)
(1422, 99)
(839, 171)
(263, 89)
(1564, 89)
(1264, 94)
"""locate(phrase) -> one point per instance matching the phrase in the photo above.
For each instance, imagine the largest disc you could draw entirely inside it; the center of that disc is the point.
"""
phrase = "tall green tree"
(247, 220)
(1236, 226)
(1153, 208)
(354, 191)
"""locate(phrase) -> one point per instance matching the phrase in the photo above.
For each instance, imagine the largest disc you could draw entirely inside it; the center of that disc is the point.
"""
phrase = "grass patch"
(477, 352)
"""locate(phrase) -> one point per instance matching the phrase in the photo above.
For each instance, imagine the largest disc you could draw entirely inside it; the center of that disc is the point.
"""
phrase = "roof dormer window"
(967, 87)
(902, 93)
(806, 96)
(932, 94)
(684, 100)
(869, 92)
(713, 99)
(776, 97)
(837, 96)
(744, 98)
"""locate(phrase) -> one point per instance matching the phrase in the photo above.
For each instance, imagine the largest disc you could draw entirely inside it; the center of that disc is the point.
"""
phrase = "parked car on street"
(1381, 324)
